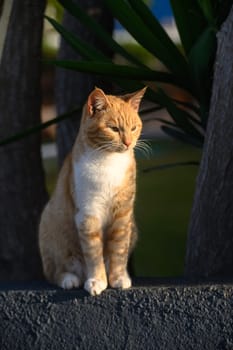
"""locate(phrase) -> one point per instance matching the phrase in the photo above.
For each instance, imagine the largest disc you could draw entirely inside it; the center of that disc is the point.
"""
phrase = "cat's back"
(61, 202)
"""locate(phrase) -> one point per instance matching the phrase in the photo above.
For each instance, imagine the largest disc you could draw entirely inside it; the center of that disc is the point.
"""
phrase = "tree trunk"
(72, 88)
(210, 241)
(22, 189)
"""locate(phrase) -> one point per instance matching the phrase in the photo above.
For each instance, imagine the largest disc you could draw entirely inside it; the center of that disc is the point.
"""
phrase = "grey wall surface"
(157, 316)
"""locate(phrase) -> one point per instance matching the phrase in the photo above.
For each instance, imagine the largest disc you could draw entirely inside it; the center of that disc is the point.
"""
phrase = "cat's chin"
(122, 150)
(118, 150)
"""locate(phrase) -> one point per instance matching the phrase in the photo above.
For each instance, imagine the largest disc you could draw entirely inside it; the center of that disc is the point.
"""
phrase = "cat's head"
(112, 123)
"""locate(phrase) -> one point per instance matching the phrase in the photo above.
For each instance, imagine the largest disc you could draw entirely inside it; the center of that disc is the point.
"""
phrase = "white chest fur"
(97, 175)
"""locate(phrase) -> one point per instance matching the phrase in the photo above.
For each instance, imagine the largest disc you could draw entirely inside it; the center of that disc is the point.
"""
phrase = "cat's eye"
(114, 128)
(134, 128)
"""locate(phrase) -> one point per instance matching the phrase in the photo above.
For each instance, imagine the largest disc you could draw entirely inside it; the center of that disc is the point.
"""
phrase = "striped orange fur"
(87, 229)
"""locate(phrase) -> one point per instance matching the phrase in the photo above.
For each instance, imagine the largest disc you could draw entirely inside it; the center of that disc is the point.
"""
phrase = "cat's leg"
(91, 240)
(119, 240)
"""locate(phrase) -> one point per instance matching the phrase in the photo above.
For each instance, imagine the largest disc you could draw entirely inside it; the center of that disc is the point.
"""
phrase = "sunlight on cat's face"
(113, 123)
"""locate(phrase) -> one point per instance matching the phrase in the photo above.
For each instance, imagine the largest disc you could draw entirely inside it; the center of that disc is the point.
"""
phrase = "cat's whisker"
(148, 149)
(106, 145)
(111, 145)
(145, 151)
(143, 147)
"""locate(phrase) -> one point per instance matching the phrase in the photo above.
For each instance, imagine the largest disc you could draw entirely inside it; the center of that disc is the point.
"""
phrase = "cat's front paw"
(123, 282)
(95, 286)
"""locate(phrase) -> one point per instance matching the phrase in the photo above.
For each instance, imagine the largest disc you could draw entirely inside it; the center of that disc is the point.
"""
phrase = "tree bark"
(210, 240)
(5, 11)
(22, 187)
(72, 88)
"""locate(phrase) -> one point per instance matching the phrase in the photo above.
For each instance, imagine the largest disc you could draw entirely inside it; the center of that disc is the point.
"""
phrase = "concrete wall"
(156, 316)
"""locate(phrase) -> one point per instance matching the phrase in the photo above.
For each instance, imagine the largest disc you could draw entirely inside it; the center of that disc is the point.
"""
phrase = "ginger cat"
(87, 229)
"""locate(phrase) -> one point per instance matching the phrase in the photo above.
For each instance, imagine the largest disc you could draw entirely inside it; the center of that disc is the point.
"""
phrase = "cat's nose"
(127, 142)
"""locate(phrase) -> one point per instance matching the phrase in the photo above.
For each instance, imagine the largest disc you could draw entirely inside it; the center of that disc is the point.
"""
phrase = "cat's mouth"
(123, 148)
(119, 148)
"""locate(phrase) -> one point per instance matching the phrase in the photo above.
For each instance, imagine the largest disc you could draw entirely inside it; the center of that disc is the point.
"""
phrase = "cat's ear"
(97, 101)
(135, 98)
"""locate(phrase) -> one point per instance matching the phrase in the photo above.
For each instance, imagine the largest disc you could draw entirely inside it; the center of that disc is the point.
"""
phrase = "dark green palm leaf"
(76, 11)
(84, 49)
(208, 11)
(189, 20)
(139, 30)
(34, 129)
(156, 28)
(117, 71)
(182, 118)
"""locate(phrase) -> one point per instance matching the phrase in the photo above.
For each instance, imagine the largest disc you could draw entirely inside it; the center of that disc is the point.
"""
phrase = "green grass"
(163, 205)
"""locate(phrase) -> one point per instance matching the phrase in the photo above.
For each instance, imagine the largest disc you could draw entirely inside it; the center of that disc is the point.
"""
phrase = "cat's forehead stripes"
(122, 112)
